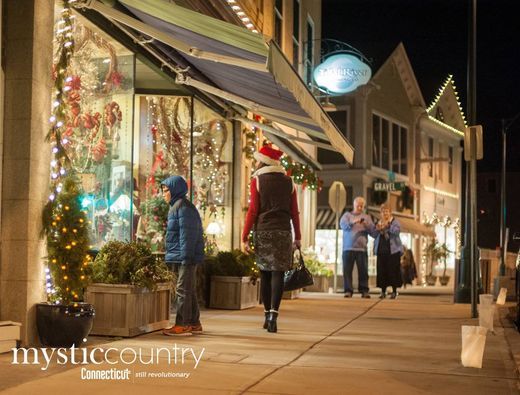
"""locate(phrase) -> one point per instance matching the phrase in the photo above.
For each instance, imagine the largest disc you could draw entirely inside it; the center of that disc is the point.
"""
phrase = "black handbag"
(298, 277)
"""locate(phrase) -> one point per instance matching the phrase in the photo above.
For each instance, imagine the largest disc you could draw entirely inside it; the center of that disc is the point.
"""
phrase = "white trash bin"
(486, 299)
(486, 313)
(501, 298)
(473, 343)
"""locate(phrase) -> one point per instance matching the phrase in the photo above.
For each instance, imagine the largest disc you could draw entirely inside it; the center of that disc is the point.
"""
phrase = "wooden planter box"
(233, 293)
(321, 284)
(126, 310)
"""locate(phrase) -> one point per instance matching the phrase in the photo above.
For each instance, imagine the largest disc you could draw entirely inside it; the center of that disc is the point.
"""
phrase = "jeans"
(186, 295)
(361, 260)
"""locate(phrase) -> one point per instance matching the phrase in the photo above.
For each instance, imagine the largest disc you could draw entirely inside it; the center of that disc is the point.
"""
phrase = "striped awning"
(325, 218)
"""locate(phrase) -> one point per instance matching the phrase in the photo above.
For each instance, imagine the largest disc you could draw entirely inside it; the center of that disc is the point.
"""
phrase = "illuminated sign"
(341, 73)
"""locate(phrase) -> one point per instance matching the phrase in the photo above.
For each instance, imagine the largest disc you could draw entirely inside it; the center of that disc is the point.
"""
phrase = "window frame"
(308, 62)
(392, 160)
(297, 30)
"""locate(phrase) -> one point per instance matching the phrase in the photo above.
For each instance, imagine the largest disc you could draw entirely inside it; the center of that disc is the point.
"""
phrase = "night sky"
(435, 35)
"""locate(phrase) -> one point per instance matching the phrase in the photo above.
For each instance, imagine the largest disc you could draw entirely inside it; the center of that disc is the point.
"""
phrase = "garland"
(301, 174)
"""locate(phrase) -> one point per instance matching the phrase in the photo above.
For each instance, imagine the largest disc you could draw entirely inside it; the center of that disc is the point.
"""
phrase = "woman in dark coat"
(388, 248)
(273, 205)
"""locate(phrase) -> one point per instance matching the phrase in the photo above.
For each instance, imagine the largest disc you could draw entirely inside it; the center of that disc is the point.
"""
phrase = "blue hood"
(177, 186)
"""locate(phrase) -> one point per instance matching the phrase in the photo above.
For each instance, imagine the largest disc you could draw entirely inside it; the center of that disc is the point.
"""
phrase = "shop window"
(98, 131)
(199, 148)
(162, 148)
(212, 173)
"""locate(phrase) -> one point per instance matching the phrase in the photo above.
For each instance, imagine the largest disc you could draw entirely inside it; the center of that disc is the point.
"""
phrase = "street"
(326, 344)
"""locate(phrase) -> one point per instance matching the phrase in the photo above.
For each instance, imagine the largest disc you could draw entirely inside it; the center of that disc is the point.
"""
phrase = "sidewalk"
(326, 344)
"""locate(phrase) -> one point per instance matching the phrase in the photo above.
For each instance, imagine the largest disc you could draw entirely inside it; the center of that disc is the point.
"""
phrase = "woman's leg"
(276, 294)
(265, 289)
(276, 289)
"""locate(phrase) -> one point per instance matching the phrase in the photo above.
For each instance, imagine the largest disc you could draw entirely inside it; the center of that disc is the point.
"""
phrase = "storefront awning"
(325, 218)
(243, 67)
(409, 225)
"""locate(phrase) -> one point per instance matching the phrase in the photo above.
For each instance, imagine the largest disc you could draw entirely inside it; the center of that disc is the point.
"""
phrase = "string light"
(448, 82)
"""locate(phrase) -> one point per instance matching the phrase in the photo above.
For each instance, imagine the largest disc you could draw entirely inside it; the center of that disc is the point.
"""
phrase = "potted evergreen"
(442, 254)
(64, 320)
(234, 280)
(130, 291)
(432, 253)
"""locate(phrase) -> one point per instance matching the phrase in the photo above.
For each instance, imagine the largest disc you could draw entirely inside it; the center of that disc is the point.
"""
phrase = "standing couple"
(356, 226)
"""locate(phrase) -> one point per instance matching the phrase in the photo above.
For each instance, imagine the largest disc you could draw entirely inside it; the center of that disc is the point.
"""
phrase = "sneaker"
(348, 295)
(196, 328)
(365, 295)
(178, 330)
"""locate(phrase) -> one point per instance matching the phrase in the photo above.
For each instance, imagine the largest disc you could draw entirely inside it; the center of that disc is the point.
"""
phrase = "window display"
(165, 146)
(98, 129)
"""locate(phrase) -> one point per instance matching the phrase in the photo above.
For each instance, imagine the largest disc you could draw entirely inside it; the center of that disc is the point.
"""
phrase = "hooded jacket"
(184, 236)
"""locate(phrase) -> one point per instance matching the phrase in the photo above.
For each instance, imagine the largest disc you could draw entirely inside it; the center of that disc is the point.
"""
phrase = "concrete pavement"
(326, 344)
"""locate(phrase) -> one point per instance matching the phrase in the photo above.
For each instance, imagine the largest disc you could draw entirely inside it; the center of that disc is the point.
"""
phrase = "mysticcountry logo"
(170, 357)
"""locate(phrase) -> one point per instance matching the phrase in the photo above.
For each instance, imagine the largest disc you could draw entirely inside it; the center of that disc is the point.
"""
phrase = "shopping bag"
(473, 342)
(501, 298)
(486, 299)
(486, 313)
(298, 277)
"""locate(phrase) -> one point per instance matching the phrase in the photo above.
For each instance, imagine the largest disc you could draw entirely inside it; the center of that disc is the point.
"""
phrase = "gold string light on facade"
(242, 15)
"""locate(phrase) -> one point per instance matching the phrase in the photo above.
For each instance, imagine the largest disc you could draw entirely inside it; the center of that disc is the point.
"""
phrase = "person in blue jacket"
(184, 250)
(356, 226)
(388, 248)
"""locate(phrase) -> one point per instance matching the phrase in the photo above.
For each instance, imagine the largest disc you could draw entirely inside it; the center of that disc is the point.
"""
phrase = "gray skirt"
(273, 250)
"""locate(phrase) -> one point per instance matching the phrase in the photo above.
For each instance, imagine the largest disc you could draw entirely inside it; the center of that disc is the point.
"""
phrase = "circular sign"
(341, 73)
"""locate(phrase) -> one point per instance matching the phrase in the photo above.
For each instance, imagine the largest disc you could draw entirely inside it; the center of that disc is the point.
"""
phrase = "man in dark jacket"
(184, 250)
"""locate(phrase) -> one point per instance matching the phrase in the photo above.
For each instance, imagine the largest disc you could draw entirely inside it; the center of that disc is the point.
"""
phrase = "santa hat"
(268, 155)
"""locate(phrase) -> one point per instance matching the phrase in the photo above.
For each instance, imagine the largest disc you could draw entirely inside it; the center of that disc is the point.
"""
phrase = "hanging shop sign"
(389, 186)
(341, 73)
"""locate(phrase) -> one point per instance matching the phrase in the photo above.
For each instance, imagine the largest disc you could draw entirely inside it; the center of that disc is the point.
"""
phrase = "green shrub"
(129, 263)
(234, 263)
(318, 268)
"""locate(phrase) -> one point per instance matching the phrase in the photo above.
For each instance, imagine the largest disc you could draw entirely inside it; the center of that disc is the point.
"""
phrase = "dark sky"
(435, 36)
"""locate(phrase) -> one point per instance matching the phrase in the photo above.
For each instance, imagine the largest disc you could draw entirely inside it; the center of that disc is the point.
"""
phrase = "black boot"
(383, 295)
(266, 319)
(271, 322)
